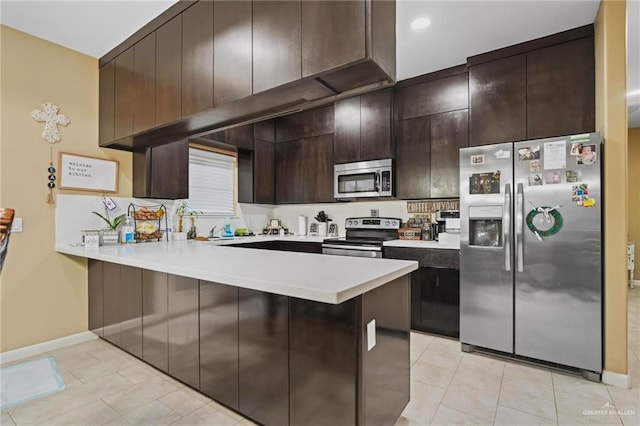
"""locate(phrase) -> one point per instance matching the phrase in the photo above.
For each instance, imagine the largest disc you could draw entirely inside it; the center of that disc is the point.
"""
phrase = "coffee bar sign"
(88, 173)
(432, 206)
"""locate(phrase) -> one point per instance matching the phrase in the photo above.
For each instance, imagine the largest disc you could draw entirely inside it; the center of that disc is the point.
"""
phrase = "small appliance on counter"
(275, 228)
(226, 231)
(333, 230)
(440, 226)
(302, 225)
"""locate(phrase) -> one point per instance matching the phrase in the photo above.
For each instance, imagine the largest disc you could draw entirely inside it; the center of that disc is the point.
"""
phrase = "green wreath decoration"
(557, 222)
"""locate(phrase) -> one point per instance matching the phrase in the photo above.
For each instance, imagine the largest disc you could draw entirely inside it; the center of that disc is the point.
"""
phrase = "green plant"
(113, 224)
(182, 210)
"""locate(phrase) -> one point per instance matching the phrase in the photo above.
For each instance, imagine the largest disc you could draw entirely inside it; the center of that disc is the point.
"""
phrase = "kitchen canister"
(302, 225)
(322, 229)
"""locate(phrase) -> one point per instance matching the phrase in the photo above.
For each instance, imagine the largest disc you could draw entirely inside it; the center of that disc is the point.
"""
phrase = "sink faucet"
(213, 232)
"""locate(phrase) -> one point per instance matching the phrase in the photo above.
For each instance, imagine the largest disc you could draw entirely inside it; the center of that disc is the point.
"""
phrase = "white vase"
(179, 236)
(322, 229)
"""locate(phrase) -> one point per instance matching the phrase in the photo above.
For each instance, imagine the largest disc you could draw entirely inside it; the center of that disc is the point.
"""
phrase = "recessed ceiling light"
(420, 23)
(633, 93)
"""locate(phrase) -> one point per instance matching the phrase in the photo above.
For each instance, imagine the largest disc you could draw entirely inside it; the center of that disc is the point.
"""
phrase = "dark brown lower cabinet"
(264, 357)
(112, 298)
(155, 316)
(435, 289)
(219, 342)
(130, 307)
(323, 351)
(384, 368)
(184, 330)
(275, 359)
(122, 306)
(95, 297)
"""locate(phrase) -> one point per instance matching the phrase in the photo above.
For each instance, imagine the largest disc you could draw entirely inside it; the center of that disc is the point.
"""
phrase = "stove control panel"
(372, 223)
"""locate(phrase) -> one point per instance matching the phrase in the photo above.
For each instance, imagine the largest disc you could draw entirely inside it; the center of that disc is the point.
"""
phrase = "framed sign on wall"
(88, 173)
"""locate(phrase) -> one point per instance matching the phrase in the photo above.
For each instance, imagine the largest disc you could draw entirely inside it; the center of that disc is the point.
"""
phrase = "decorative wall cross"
(52, 119)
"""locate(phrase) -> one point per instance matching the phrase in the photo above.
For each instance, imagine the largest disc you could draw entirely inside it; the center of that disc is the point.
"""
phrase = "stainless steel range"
(364, 237)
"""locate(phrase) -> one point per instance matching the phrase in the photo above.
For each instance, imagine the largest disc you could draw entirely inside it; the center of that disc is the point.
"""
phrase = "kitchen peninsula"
(281, 337)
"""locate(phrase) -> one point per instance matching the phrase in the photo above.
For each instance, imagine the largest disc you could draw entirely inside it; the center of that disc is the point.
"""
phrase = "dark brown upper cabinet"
(347, 130)
(333, 34)
(432, 97)
(304, 170)
(318, 169)
(144, 69)
(264, 162)
(449, 133)
(162, 171)
(290, 171)
(197, 58)
(124, 94)
(363, 127)
(541, 88)
(232, 51)
(241, 136)
(413, 158)
(306, 124)
(561, 89)
(169, 71)
(498, 101)
(375, 125)
(106, 107)
(218, 63)
(264, 172)
(277, 55)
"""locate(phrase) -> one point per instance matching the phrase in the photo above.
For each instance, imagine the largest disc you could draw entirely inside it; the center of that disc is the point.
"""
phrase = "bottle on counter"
(127, 230)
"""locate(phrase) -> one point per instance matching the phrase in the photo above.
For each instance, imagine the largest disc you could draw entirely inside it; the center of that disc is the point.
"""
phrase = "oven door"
(353, 251)
(360, 183)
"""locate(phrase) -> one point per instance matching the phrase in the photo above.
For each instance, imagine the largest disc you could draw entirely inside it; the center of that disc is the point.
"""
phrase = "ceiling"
(458, 28)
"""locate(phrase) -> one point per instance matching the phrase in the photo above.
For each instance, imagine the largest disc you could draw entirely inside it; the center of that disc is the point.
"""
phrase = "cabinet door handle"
(506, 227)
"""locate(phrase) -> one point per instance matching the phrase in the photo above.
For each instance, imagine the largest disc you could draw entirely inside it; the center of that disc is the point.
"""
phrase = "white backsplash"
(338, 212)
(73, 214)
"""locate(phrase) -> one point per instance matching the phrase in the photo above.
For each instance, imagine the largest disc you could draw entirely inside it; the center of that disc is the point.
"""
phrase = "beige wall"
(43, 294)
(611, 122)
(634, 193)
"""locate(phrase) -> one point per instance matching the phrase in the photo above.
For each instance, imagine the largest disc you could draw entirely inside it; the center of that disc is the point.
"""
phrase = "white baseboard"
(27, 351)
(616, 379)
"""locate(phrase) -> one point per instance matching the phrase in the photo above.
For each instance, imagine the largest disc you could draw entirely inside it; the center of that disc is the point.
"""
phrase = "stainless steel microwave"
(363, 179)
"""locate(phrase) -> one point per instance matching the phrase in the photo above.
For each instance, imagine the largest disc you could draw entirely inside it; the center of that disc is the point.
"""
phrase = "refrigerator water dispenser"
(485, 226)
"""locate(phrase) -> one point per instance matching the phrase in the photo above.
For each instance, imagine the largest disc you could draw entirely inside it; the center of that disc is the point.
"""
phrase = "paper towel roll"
(302, 225)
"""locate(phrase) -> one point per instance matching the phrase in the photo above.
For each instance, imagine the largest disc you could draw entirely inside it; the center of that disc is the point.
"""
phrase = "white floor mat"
(29, 380)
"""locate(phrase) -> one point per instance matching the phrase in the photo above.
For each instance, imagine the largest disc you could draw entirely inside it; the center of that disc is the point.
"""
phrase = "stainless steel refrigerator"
(531, 252)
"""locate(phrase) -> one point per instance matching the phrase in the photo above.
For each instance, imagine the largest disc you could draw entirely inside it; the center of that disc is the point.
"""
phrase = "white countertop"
(317, 277)
(421, 244)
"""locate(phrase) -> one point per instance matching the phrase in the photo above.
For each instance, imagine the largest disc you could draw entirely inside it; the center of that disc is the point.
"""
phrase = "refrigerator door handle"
(506, 227)
(520, 227)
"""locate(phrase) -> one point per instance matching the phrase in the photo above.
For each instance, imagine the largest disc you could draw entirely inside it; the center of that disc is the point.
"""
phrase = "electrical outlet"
(375, 213)
(17, 225)
(371, 335)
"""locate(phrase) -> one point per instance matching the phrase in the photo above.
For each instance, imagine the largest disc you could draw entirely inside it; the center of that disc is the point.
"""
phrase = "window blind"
(211, 182)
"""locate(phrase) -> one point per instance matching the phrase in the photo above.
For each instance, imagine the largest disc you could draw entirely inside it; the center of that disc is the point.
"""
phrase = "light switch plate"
(371, 335)
(375, 213)
(17, 225)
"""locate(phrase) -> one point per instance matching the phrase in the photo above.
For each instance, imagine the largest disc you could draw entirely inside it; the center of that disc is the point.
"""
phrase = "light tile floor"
(104, 385)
